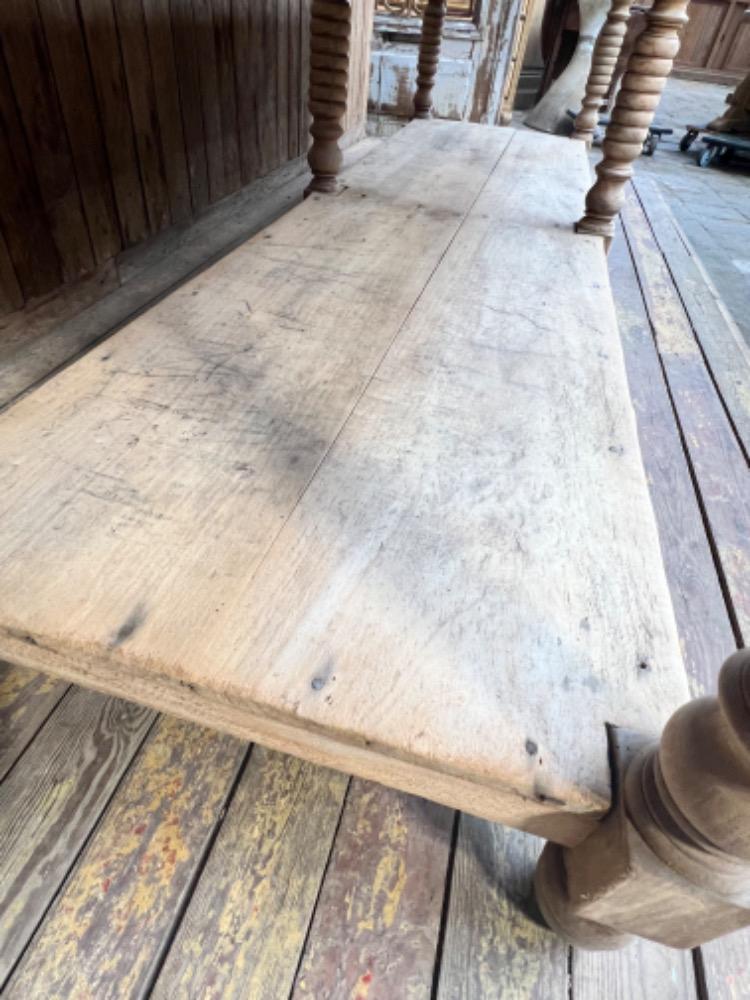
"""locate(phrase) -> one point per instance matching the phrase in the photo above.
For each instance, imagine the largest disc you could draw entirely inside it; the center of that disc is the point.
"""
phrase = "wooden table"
(368, 491)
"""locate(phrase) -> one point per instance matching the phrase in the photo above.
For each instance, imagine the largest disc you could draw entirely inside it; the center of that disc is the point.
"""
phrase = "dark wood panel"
(223, 36)
(112, 99)
(247, 26)
(26, 699)
(204, 39)
(27, 59)
(164, 70)
(134, 45)
(36, 261)
(72, 75)
(188, 74)
(11, 296)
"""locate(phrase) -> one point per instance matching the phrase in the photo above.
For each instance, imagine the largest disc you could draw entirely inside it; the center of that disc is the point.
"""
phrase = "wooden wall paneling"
(134, 44)
(223, 31)
(294, 57)
(494, 945)
(164, 70)
(11, 296)
(247, 24)
(189, 78)
(107, 930)
(701, 32)
(304, 48)
(24, 221)
(250, 911)
(377, 922)
(75, 89)
(33, 85)
(209, 89)
(268, 88)
(51, 801)
(107, 70)
(282, 78)
(26, 699)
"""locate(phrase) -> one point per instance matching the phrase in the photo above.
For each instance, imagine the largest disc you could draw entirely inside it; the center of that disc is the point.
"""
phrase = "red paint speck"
(367, 978)
(141, 828)
(106, 884)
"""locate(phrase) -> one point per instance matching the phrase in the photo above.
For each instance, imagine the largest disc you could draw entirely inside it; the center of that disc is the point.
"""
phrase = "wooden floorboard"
(174, 867)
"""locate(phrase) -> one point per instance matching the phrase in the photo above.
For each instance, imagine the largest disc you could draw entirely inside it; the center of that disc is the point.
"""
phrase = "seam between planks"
(374, 373)
(723, 583)
(182, 906)
(445, 908)
(80, 852)
(689, 249)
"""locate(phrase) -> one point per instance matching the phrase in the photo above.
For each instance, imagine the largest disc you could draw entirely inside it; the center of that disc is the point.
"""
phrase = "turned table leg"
(603, 62)
(647, 72)
(671, 862)
(330, 31)
(429, 56)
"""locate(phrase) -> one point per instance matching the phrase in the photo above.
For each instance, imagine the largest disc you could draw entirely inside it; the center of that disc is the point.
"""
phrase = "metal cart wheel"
(649, 145)
(707, 156)
(687, 140)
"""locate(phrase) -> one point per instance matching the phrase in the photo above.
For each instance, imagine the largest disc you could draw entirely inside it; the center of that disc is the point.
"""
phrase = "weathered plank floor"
(143, 856)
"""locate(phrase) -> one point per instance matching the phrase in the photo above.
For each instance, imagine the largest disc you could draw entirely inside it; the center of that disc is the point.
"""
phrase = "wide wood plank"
(397, 485)
(51, 801)
(643, 970)
(250, 911)
(186, 40)
(106, 932)
(495, 945)
(377, 920)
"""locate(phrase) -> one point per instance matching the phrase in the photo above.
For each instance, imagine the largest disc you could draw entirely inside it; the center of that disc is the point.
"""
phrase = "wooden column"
(603, 62)
(429, 56)
(647, 72)
(672, 860)
(330, 32)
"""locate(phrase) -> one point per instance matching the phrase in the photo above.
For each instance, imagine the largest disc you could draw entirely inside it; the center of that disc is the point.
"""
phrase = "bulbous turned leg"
(603, 62)
(671, 862)
(330, 31)
(429, 56)
(647, 72)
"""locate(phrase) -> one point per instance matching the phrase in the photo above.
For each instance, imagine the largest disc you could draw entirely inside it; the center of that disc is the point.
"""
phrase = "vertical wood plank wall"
(119, 118)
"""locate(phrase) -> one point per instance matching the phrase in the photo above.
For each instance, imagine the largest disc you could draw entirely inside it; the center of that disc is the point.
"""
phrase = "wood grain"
(185, 33)
(375, 931)
(726, 353)
(11, 295)
(494, 943)
(705, 631)
(169, 113)
(719, 465)
(131, 29)
(51, 801)
(106, 932)
(103, 48)
(357, 524)
(36, 261)
(644, 970)
(33, 85)
(223, 26)
(250, 911)
(26, 699)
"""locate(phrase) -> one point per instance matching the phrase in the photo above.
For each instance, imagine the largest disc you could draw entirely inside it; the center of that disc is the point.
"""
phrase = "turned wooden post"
(603, 62)
(429, 56)
(671, 862)
(647, 72)
(330, 31)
